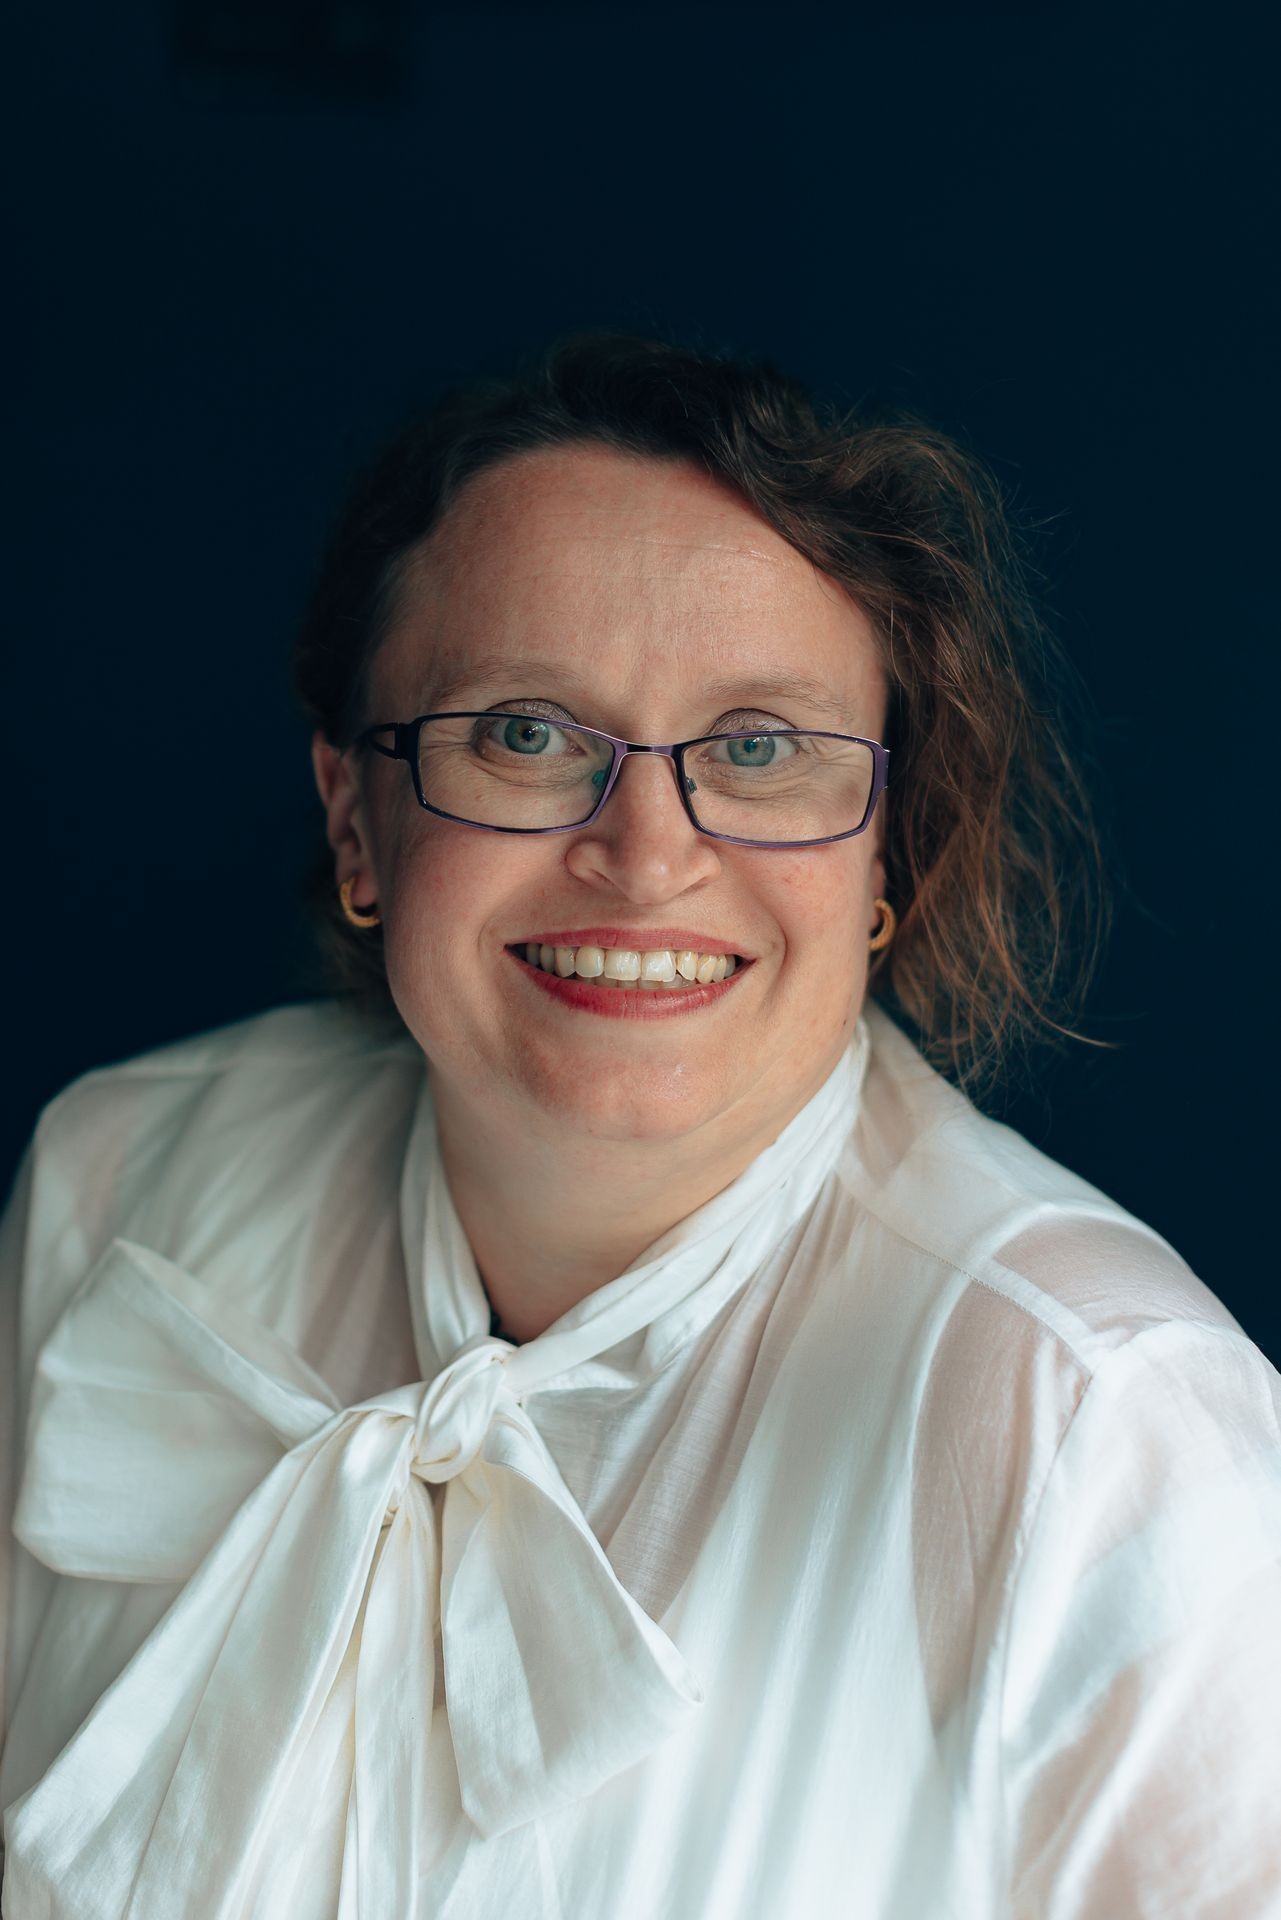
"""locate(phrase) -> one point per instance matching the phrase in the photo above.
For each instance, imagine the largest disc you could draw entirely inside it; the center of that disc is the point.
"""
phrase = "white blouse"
(898, 1538)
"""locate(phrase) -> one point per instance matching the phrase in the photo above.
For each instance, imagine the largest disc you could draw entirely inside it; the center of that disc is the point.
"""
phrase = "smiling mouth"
(656, 969)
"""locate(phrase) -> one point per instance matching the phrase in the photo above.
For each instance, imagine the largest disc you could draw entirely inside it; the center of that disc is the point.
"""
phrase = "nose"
(643, 845)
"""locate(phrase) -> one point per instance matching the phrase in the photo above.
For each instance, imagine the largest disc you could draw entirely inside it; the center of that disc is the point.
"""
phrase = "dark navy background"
(248, 235)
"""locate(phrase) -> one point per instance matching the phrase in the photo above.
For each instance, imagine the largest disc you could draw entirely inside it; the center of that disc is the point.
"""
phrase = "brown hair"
(993, 862)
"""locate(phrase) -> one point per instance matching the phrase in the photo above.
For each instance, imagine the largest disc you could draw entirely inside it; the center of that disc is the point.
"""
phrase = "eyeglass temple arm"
(398, 750)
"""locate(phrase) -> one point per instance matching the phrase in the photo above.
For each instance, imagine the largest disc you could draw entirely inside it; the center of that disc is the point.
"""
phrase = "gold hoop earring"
(885, 932)
(354, 914)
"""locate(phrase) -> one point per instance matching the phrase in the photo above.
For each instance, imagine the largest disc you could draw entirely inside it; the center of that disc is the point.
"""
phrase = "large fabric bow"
(173, 1438)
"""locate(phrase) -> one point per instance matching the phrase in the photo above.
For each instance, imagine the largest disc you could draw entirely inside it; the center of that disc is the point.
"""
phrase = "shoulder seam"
(1077, 1347)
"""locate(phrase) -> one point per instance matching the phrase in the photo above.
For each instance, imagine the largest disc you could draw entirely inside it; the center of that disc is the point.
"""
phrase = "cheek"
(820, 902)
(823, 908)
(442, 893)
(450, 889)
(436, 892)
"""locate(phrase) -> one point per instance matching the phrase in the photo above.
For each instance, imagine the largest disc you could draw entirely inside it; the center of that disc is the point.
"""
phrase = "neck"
(550, 1218)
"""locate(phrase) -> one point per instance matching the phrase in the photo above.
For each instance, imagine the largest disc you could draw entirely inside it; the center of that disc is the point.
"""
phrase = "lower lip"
(630, 1003)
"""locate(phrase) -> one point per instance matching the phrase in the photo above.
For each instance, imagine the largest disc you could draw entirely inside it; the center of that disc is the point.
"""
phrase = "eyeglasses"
(519, 773)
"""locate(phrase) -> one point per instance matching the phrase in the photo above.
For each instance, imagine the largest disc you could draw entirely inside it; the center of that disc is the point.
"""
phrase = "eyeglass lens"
(517, 770)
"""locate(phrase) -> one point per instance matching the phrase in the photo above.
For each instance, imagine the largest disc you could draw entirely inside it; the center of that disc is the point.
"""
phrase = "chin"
(618, 1100)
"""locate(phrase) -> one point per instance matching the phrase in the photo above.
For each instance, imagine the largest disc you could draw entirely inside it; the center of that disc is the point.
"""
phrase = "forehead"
(618, 565)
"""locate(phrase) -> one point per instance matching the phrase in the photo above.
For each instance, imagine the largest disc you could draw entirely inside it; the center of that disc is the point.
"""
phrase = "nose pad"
(675, 773)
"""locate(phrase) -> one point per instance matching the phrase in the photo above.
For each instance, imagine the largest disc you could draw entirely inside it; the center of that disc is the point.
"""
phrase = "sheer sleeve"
(1141, 1700)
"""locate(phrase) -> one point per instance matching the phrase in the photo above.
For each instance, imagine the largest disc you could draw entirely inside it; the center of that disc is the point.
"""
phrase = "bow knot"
(555, 1680)
(444, 1421)
(456, 1409)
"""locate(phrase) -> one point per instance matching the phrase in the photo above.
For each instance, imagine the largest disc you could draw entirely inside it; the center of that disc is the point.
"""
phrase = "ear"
(345, 824)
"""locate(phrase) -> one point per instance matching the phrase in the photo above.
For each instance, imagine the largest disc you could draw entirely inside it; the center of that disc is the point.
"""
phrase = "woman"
(588, 1419)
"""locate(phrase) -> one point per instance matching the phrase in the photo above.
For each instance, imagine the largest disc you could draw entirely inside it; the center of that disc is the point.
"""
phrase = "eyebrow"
(746, 691)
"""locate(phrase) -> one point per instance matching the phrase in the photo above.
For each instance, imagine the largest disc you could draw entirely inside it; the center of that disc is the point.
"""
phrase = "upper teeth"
(629, 967)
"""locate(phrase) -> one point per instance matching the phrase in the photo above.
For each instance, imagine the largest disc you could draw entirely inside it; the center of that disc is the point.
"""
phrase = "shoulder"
(1046, 1255)
(1076, 1387)
(296, 1038)
(176, 1143)
(1051, 1325)
(309, 1046)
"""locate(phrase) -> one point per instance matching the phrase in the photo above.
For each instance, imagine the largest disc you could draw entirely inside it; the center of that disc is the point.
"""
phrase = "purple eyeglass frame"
(405, 747)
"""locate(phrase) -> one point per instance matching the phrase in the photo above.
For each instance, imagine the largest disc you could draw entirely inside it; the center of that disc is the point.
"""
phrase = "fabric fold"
(554, 1678)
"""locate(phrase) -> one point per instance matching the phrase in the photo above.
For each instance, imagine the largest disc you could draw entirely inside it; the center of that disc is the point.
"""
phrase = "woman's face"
(644, 598)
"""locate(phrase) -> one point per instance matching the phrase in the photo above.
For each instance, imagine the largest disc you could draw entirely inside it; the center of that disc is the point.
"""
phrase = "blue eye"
(758, 751)
(526, 736)
(750, 753)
